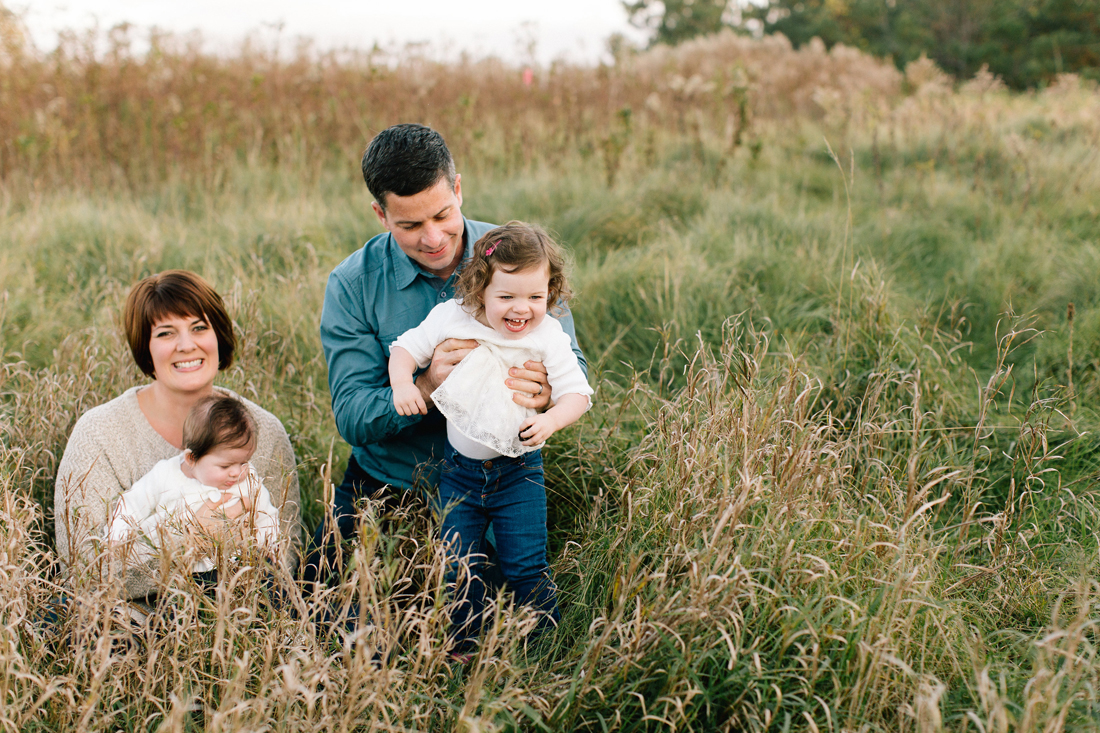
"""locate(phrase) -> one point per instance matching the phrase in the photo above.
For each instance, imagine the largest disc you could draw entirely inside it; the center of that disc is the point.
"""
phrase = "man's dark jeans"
(325, 551)
(510, 493)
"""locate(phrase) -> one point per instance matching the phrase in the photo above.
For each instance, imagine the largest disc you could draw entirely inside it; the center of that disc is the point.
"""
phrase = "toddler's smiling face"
(515, 302)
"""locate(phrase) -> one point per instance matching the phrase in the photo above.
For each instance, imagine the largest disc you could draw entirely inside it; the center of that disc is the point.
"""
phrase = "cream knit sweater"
(113, 445)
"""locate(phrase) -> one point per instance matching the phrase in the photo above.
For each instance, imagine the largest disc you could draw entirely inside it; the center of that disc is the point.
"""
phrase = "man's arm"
(362, 401)
(566, 321)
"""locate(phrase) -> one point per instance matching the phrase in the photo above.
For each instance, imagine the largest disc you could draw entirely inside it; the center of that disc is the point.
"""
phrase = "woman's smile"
(187, 366)
(185, 353)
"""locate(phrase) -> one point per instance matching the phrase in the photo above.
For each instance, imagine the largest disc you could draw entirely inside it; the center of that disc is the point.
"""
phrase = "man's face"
(427, 225)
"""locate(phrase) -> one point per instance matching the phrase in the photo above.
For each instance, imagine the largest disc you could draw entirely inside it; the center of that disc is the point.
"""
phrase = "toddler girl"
(492, 468)
(209, 490)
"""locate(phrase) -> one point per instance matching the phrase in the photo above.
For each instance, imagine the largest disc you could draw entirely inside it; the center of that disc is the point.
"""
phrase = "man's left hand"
(529, 385)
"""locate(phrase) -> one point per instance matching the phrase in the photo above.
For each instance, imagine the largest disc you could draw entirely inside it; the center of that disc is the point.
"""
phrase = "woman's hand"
(216, 513)
(530, 386)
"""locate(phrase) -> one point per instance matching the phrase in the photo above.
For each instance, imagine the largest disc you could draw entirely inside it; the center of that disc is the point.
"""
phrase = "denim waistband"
(527, 459)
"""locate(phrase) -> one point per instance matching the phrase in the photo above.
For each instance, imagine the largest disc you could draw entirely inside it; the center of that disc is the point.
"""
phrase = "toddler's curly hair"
(514, 247)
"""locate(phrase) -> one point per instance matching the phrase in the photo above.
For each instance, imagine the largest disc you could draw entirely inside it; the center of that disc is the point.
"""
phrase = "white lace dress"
(474, 398)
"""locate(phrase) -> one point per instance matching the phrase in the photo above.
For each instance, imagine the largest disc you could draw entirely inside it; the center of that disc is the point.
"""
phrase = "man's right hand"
(446, 357)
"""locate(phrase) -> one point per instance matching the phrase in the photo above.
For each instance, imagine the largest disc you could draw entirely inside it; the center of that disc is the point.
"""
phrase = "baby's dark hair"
(514, 247)
(216, 421)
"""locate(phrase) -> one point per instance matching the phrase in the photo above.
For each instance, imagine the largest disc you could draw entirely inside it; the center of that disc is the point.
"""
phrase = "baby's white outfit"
(473, 397)
(166, 497)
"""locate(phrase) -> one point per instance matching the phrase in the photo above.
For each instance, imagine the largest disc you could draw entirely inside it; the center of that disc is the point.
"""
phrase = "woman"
(181, 336)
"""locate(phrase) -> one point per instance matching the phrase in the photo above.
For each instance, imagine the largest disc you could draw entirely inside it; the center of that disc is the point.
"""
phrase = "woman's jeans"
(510, 493)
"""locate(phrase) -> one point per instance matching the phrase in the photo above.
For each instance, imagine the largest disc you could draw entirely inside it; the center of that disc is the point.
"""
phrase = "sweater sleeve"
(278, 471)
(87, 483)
(266, 517)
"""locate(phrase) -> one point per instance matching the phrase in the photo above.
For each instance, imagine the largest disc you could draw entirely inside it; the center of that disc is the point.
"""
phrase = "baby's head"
(516, 274)
(219, 438)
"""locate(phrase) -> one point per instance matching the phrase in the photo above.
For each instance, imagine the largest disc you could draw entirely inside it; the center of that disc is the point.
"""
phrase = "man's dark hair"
(404, 160)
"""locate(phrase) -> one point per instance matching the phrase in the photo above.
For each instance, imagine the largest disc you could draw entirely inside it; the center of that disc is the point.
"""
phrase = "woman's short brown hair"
(514, 247)
(175, 293)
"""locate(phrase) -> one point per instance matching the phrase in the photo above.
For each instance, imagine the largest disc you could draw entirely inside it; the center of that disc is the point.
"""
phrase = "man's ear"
(458, 188)
(379, 212)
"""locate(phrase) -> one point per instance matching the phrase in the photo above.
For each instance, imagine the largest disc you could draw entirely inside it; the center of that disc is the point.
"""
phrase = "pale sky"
(573, 29)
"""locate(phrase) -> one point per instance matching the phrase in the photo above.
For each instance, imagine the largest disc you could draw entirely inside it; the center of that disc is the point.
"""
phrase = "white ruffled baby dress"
(474, 397)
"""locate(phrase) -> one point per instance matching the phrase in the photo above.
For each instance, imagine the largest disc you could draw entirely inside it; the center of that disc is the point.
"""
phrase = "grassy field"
(841, 471)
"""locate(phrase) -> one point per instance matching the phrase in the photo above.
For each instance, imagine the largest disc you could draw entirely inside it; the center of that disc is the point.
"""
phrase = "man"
(378, 293)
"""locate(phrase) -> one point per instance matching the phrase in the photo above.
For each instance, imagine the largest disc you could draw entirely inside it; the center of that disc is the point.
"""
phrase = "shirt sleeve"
(422, 340)
(137, 503)
(362, 400)
(563, 367)
(565, 320)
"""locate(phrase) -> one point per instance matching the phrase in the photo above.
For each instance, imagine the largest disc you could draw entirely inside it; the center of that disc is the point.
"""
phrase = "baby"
(209, 490)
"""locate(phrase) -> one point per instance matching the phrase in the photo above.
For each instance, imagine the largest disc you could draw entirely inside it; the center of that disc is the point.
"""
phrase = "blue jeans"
(325, 553)
(510, 493)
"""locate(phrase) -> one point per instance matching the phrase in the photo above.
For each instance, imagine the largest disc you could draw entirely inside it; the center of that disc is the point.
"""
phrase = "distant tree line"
(1025, 42)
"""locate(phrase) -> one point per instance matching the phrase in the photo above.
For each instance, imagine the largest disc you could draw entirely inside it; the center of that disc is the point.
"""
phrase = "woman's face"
(185, 353)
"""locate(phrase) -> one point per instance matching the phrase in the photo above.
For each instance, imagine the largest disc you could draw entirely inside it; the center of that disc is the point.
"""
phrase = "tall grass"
(93, 112)
(832, 479)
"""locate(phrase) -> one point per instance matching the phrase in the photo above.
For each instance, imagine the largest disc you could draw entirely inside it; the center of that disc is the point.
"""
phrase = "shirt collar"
(405, 270)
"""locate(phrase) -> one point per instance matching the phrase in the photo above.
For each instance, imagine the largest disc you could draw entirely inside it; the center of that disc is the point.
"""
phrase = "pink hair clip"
(492, 247)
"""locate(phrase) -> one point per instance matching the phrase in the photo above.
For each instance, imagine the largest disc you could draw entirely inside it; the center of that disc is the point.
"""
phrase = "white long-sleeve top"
(165, 499)
(474, 399)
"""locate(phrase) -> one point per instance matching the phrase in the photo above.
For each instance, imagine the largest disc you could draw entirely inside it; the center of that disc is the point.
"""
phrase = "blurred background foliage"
(1024, 42)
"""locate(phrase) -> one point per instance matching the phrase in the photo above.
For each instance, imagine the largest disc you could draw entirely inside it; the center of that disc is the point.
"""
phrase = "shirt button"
(487, 465)
(442, 293)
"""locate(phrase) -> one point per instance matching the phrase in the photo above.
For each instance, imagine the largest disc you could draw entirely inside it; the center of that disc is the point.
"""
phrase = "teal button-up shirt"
(372, 297)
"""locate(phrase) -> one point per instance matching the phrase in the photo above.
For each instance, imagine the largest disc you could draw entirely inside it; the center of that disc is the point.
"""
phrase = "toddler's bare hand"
(408, 400)
(536, 430)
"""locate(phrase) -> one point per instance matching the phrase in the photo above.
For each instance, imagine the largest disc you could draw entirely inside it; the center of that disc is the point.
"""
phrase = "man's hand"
(408, 400)
(446, 358)
(530, 386)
